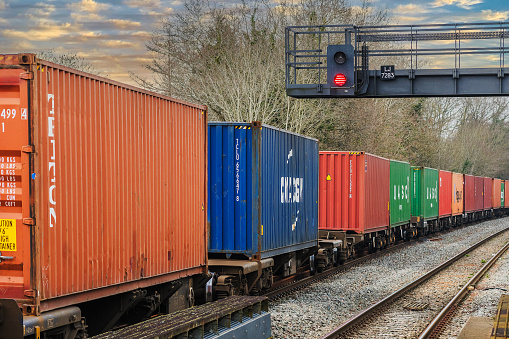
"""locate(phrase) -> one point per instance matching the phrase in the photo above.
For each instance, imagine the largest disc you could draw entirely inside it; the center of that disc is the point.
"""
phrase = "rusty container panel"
(110, 179)
(469, 193)
(354, 192)
(488, 194)
(445, 193)
(479, 193)
(496, 193)
(457, 194)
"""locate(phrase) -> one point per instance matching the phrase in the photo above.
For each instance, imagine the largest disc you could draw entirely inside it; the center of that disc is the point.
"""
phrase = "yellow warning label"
(7, 235)
(329, 178)
(262, 230)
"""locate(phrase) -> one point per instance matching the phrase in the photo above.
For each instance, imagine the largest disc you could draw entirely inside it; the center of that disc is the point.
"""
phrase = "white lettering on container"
(51, 163)
(291, 189)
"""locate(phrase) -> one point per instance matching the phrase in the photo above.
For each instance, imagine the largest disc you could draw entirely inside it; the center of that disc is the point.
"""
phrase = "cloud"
(408, 19)
(411, 9)
(2, 4)
(87, 17)
(489, 15)
(465, 4)
(118, 44)
(124, 24)
(44, 32)
(143, 3)
(89, 6)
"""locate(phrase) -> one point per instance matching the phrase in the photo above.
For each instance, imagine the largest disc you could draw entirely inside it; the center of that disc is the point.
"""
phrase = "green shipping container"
(424, 192)
(400, 193)
(502, 195)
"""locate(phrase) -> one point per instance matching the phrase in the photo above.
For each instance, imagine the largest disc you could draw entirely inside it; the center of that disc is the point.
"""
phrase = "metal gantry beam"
(417, 52)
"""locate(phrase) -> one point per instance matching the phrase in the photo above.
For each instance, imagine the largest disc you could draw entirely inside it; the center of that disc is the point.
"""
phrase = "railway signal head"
(341, 69)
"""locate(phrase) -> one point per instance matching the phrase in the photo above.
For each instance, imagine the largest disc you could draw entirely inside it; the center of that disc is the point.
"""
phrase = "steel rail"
(362, 316)
(295, 285)
(428, 331)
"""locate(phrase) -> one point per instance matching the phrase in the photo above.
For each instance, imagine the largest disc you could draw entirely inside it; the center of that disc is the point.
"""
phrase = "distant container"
(488, 193)
(503, 201)
(469, 193)
(354, 192)
(445, 193)
(424, 192)
(107, 186)
(479, 193)
(497, 193)
(400, 208)
(263, 190)
(457, 194)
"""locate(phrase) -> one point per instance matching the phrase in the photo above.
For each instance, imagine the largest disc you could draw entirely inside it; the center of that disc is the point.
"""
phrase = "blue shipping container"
(263, 190)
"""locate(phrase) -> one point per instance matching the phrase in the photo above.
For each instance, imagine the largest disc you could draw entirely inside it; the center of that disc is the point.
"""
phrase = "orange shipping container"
(496, 191)
(353, 192)
(457, 193)
(102, 186)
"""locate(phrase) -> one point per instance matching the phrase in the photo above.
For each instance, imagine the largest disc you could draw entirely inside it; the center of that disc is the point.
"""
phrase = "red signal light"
(340, 79)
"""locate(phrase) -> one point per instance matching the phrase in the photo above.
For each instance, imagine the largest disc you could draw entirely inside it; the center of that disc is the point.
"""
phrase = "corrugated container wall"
(457, 194)
(400, 193)
(424, 196)
(445, 193)
(502, 194)
(114, 183)
(354, 192)
(469, 193)
(488, 193)
(496, 193)
(479, 193)
(263, 190)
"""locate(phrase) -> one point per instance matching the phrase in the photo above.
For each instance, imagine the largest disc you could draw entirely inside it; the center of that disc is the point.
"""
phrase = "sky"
(112, 34)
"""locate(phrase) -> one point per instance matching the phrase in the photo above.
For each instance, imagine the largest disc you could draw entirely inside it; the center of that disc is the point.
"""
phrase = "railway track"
(303, 279)
(402, 313)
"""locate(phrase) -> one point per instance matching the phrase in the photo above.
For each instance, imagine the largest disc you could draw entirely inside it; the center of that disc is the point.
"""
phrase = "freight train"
(117, 204)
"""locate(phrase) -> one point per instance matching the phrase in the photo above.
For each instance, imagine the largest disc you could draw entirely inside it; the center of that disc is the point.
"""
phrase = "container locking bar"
(3, 257)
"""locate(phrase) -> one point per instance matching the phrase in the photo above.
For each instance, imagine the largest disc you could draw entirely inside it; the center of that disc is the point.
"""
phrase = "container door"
(14, 187)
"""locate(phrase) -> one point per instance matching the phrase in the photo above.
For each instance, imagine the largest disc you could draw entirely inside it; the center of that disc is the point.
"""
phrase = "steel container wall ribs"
(479, 193)
(400, 193)
(114, 184)
(424, 192)
(488, 194)
(497, 193)
(354, 192)
(263, 190)
(457, 194)
(469, 193)
(445, 192)
(503, 193)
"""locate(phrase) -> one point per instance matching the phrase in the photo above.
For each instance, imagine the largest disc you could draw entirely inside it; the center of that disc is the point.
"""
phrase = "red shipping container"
(479, 194)
(354, 192)
(444, 193)
(496, 193)
(109, 184)
(488, 193)
(469, 193)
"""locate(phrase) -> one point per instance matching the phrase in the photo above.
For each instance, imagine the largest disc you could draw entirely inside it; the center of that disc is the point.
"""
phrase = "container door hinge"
(30, 293)
(29, 221)
(27, 76)
(27, 149)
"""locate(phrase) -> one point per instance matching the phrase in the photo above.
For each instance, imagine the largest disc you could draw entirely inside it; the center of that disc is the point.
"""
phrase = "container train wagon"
(263, 205)
(102, 201)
